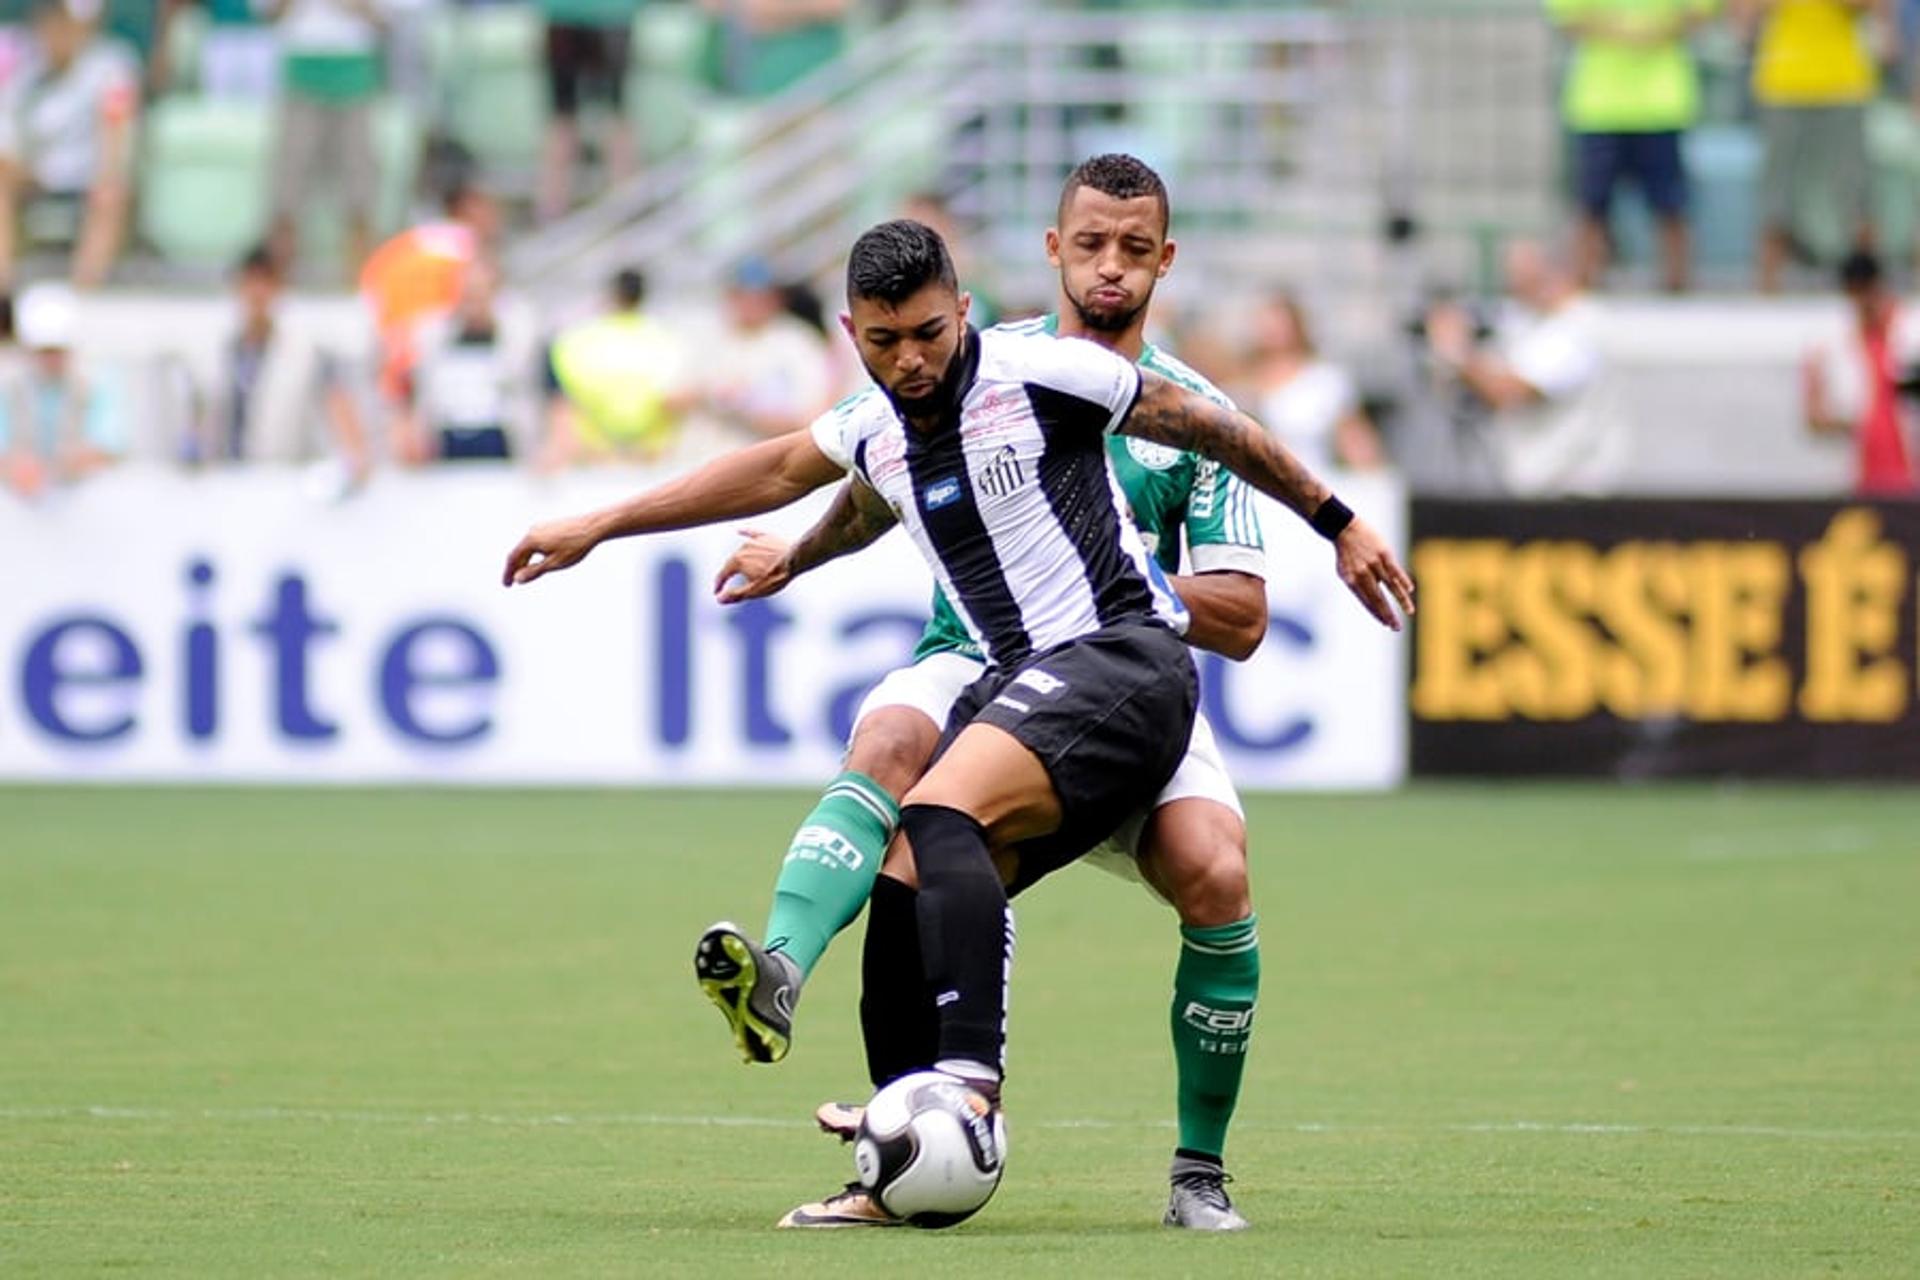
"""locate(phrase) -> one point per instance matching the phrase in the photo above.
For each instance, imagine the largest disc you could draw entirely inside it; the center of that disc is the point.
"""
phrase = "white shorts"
(932, 685)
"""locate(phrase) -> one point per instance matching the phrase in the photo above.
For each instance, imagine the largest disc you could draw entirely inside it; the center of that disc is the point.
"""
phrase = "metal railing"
(1288, 137)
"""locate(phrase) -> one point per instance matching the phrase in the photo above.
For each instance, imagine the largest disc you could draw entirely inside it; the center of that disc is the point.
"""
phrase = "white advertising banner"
(251, 626)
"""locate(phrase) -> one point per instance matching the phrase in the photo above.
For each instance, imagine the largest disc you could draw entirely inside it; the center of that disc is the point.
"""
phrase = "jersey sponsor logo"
(1013, 704)
(1040, 682)
(1154, 457)
(1003, 474)
(942, 493)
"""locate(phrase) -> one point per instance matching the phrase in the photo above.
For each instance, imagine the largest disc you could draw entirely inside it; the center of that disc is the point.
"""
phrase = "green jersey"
(1170, 491)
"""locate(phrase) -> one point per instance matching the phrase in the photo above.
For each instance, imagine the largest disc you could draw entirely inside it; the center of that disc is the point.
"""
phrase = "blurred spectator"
(1813, 76)
(331, 74)
(1630, 93)
(589, 44)
(759, 47)
(420, 273)
(1861, 382)
(1309, 402)
(1537, 379)
(239, 55)
(931, 209)
(270, 379)
(617, 384)
(767, 372)
(66, 141)
(50, 428)
(472, 380)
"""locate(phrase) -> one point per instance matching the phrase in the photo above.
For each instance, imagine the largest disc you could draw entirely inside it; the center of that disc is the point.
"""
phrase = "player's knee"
(1214, 891)
(892, 746)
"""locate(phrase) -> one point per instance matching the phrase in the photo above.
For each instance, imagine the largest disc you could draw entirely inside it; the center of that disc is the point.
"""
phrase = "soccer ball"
(930, 1149)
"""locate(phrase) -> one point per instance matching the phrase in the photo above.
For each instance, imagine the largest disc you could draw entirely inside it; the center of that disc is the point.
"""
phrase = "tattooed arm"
(764, 564)
(1171, 415)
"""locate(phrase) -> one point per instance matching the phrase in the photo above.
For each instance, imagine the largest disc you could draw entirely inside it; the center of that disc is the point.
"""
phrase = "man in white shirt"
(767, 372)
(66, 139)
(1540, 377)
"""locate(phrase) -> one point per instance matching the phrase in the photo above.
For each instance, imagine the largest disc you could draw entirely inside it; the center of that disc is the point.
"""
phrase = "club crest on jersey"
(1154, 457)
(1003, 473)
(942, 493)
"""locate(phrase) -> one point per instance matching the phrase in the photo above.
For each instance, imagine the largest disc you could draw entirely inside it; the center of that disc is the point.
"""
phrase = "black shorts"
(587, 62)
(1108, 714)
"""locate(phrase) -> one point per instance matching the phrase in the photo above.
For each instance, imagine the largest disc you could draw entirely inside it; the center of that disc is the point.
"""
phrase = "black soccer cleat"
(754, 988)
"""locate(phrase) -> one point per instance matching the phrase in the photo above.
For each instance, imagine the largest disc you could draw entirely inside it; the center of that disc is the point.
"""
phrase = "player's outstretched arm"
(764, 564)
(1170, 414)
(746, 482)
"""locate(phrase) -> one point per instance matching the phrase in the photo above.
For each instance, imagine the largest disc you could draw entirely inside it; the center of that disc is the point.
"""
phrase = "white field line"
(649, 1120)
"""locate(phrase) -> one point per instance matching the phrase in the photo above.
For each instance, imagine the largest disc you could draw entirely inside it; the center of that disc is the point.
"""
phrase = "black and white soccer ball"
(931, 1149)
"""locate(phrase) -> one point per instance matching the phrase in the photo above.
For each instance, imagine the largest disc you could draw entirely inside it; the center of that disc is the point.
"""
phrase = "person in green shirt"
(1189, 844)
(1631, 91)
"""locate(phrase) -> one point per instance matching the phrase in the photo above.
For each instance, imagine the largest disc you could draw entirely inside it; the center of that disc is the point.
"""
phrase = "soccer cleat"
(1199, 1201)
(755, 989)
(851, 1206)
(840, 1119)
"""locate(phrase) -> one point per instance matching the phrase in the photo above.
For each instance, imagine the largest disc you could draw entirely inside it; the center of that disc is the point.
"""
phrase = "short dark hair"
(895, 260)
(629, 288)
(1123, 177)
(1860, 270)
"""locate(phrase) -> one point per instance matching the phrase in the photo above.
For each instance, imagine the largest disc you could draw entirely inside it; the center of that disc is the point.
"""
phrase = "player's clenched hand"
(557, 544)
(757, 568)
(1368, 568)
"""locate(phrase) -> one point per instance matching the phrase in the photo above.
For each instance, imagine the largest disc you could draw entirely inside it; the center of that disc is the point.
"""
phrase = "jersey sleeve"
(1087, 372)
(1222, 525)
(837, 431)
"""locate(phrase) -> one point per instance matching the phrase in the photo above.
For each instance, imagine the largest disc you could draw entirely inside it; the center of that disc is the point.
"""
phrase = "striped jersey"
(1010, 499)
(1174, 496)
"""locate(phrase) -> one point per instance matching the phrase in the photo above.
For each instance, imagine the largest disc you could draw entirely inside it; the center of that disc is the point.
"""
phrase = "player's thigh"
(1192, 849)
(899, 724)
(994, 778)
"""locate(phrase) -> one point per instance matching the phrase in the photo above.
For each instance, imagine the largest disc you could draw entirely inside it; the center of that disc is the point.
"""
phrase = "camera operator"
(1853, 384)
(1534, 378)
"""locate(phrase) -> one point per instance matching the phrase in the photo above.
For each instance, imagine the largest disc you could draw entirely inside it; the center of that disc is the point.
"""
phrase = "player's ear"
(1053, 247)
(846, 324)
(966, 305)
(1167, 251)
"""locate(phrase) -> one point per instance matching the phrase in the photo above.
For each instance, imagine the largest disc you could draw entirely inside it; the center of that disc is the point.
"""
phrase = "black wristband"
(1331, 518)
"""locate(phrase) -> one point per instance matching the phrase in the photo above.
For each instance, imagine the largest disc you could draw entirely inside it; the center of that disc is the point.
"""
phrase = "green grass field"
(1507, 1031)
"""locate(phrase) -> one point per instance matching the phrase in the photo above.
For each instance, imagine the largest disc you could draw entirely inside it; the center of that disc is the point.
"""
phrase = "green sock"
(830, 867)
(1215, 989)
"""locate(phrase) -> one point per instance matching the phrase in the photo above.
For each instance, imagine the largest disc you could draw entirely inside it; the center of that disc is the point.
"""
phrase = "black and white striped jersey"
(1011, 499)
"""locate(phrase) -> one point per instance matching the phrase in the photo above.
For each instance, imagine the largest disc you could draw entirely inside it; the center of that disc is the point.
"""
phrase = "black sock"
(966, 931)
(897, 1017)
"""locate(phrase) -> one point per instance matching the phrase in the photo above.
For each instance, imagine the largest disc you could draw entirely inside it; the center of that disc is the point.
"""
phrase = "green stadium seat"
(203, 178)
(1893, 143)
(671, 40)
(1723, 165)
(490, 75)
